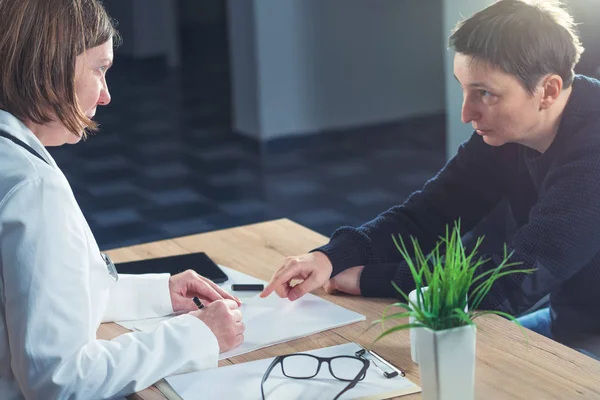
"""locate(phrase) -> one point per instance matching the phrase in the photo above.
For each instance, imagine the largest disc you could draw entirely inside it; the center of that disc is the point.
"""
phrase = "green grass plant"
(454, 281)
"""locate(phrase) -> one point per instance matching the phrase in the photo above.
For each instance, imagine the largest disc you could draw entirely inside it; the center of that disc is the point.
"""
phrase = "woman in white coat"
(56, 287)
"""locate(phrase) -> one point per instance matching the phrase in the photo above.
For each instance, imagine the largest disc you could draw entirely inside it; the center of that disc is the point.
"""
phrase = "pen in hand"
(198, 303)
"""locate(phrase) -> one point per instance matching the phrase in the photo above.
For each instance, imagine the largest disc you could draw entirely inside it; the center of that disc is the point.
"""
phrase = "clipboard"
(167, 390)
(216, 382)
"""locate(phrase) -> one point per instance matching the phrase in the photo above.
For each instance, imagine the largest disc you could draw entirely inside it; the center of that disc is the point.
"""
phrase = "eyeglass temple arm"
(362, 373)
(267, 373)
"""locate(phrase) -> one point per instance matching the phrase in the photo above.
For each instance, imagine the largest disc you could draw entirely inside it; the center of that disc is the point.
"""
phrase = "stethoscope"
(112, 269)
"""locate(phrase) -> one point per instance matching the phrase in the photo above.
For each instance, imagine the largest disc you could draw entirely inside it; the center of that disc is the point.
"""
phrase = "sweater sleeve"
(559, 240)
(468, 187)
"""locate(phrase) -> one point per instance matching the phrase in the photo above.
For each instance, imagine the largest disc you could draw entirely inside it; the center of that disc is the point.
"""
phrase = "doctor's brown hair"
(528, 39)
(39, 43)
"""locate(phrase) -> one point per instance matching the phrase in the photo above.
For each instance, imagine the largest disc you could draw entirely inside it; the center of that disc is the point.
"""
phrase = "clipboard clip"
(376, 359)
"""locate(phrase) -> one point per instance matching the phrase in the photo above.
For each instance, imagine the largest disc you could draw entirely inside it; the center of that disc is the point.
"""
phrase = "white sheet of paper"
(242, 381)
(272, 320)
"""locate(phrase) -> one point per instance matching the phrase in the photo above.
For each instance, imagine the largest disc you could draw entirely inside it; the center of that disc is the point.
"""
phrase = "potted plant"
(448, 292)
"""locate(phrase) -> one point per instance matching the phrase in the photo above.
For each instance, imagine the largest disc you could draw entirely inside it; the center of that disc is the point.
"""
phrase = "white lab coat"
(55, 290)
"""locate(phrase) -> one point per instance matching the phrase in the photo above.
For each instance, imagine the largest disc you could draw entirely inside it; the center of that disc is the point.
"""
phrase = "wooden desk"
(507, 367)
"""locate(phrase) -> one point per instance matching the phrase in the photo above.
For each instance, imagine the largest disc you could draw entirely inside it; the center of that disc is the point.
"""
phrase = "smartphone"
(199, 262)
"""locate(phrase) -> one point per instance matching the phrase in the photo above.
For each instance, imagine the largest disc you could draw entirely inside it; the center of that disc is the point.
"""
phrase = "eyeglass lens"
(302, 366)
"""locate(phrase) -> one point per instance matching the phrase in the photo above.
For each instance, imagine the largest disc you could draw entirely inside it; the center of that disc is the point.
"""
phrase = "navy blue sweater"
(554, 204)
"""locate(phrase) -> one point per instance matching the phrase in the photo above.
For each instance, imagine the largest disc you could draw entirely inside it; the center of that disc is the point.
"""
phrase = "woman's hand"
(188, 284)
(347, 281)
(313, 270)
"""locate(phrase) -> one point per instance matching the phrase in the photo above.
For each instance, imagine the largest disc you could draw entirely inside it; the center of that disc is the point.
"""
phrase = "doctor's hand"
(224, 319)
(184, 286)
(313, 269)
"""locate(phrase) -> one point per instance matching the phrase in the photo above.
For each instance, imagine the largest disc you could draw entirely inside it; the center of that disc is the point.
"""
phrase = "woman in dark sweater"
(536, 149)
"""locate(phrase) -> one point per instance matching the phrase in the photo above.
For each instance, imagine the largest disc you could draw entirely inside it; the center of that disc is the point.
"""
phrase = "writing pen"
(198, 303)
(247, 287)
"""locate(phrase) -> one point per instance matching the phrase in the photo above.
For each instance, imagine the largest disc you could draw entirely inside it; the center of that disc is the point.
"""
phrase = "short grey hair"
(528, 39)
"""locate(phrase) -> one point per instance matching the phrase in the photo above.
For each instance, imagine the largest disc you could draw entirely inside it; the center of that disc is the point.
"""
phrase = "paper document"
(272, 320)
(216, 383)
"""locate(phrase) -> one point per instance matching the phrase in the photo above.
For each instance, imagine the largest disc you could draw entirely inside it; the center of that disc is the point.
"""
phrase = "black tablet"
(199, 262)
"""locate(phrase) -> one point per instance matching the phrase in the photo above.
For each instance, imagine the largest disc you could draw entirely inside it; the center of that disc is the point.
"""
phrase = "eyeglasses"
(305, 366)
(112, 270)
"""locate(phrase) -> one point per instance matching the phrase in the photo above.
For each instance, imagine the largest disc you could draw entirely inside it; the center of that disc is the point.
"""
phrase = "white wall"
(155, 23)
(323, 64)
(243, 66)
(207, 12)
(456, 132)
(148, 27)
(587, 15)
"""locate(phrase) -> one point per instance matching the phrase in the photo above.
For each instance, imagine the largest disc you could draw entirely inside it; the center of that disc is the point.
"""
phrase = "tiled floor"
(165, 162)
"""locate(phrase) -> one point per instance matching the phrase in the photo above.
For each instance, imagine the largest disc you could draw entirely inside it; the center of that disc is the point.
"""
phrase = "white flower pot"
(415, 332)
(447, 363)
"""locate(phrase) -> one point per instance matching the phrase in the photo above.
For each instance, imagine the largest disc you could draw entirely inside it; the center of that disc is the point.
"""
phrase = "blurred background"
(229, 112)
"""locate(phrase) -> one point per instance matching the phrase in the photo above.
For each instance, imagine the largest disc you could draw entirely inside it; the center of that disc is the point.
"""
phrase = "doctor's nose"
(104, 98)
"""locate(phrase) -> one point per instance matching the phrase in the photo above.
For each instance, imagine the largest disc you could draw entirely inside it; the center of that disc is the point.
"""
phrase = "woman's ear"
(551, 89)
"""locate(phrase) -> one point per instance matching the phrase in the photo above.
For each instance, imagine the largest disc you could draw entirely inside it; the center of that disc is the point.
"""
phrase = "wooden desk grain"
(508, 365)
